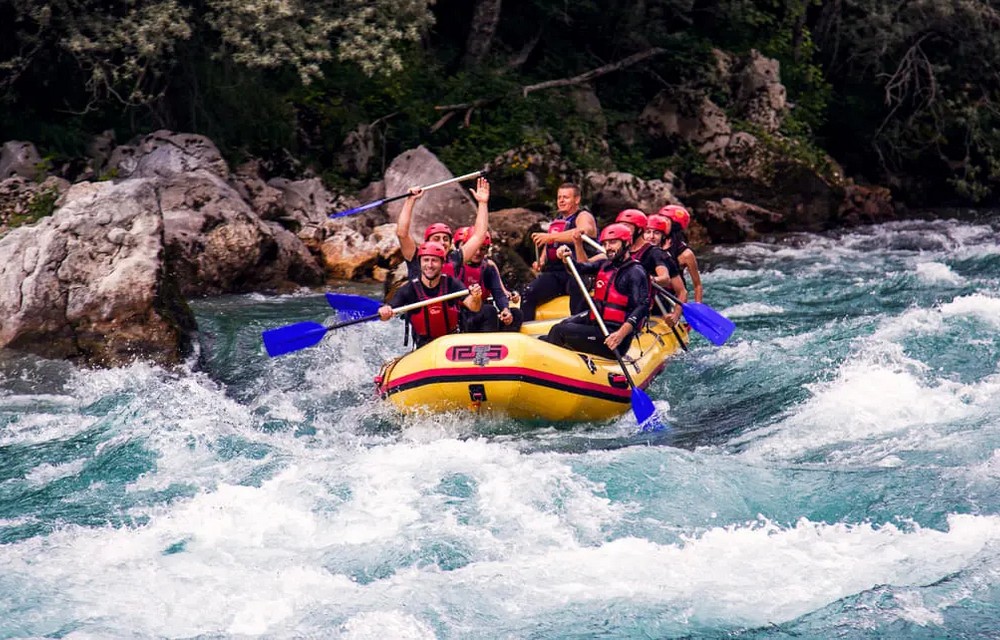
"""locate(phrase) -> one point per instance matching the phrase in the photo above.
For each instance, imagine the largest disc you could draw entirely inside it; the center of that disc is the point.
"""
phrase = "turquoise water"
(834, 471)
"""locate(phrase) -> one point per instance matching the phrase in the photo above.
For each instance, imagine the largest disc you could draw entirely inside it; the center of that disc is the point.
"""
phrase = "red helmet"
(633, 216)
(617, 232)
(656, 222)
(461, 234)
(435, 249)
(678, 214)
(437, 227)
(487, 241)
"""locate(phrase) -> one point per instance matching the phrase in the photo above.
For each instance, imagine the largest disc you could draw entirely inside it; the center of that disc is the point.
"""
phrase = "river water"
(833, 471)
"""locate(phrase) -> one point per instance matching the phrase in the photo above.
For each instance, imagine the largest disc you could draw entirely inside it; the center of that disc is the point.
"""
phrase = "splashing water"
(832, 471)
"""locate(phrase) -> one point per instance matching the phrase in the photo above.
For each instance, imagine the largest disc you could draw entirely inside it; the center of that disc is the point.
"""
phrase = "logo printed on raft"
(479, 354)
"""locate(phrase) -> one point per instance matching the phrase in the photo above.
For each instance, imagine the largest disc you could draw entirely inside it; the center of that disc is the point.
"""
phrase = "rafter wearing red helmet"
(438, 319)
(442, 233)
(496, 314)
(676, 245)
(621, 295)
(657, 263)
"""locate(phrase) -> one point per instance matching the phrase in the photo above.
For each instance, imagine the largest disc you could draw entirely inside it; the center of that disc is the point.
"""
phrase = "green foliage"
(41, 205)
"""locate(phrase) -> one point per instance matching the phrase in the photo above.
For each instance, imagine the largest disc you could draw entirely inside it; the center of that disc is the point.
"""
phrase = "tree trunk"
(485, 18)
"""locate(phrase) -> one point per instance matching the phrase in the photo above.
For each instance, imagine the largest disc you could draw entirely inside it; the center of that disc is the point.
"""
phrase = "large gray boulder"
(217, 244)
(89, 283)
(451, 204)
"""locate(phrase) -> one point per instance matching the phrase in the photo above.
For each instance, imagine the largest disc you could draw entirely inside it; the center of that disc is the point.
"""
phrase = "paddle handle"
(468, 176)
(372, 205)
(586, 294)
(424, 303)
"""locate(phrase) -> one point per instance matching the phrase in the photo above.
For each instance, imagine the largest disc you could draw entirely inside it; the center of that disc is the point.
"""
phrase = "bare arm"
(679, 289)
(584, 221)
(474, 301)
(662, 276)
(691, 262)
(406, 244)
(482, 224)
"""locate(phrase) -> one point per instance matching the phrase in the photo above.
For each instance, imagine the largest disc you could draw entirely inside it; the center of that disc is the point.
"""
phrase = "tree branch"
(548, 84)
(594, 73)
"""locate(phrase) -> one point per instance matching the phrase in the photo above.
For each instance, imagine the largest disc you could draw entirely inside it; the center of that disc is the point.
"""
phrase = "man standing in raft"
(554, 281)
(441, 233)
(621, 295)
(440, 318)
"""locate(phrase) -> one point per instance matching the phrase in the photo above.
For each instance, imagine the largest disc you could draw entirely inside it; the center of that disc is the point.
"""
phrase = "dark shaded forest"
(899, 93)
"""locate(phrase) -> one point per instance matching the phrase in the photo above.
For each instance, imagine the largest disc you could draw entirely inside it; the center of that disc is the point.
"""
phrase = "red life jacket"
(557, 226)
(473, 274)
(610, 302)
(434, 320)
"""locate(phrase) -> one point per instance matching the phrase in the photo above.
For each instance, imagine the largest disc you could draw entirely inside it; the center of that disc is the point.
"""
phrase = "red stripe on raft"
(469, 375)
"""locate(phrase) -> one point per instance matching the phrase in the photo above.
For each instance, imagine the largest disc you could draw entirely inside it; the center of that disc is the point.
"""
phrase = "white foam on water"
(911, 607)
(46, 473)
(746, 309)
(936, 320)
(728, 276)
(256, 559)
(979, 306)
(879, 402)
(380, 625)
(938, 273)
(746, 575)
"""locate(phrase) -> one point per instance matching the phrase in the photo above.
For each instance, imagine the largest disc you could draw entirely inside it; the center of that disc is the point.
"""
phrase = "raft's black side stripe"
(504, 377)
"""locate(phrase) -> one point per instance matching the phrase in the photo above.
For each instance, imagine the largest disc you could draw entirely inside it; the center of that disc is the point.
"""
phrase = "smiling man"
(553, 280)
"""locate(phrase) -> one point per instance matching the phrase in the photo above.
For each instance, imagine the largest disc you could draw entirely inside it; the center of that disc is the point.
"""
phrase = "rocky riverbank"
(98, 270)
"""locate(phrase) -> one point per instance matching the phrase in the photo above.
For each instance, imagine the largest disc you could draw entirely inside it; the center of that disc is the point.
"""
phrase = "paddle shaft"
(663, 310)
(377, 203)
(399, 310)
(424, 303)
(600, 321)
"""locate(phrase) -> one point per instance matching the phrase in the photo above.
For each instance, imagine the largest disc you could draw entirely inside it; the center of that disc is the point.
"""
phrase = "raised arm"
(406, 244)
(482, 224)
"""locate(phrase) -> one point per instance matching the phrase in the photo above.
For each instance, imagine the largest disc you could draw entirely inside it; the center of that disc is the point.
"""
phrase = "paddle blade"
(709, 322)
(364, 207)
(292, 338)
(645, 412)
(350, 307)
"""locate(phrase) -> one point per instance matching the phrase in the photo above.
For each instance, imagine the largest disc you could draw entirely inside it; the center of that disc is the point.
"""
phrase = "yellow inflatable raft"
(520, 376)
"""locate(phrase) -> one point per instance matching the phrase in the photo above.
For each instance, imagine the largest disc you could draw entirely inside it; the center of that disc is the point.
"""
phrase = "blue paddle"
(351, 306)
(642, 406)
(305, 334)
(378, 203)
(702, 318)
